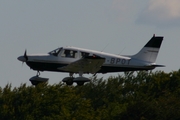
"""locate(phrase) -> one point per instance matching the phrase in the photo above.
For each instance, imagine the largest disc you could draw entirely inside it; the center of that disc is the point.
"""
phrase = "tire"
(80, 83)
(34, 83)
(69, 81)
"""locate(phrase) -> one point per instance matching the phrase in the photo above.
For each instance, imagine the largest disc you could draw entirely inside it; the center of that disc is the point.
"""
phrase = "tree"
(134, 95)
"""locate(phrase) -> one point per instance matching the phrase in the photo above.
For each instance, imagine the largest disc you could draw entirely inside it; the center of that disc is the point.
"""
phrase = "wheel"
(35, 80)
(69, 81)
(35, 83)
(80, 83)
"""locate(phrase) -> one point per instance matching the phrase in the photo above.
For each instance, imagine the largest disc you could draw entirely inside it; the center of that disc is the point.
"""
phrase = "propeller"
(23, 58)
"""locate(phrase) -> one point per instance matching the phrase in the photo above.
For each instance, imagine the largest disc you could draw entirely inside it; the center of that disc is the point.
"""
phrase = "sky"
(114, 26)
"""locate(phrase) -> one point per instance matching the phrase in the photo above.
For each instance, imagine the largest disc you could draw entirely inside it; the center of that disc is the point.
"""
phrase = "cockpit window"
(69, 53)
(55, 52)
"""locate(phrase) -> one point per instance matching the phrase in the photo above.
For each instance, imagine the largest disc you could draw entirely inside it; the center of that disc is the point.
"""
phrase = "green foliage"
(132, 96)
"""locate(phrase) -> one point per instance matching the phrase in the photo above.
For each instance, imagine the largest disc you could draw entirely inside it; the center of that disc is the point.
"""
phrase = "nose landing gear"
(35, 80)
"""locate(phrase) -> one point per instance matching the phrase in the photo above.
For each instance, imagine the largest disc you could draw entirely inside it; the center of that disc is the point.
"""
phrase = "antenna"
(104, 47)
(122, 50)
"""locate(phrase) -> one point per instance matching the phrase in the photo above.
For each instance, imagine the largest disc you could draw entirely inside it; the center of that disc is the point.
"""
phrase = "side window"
(84, 54)
(69, 54)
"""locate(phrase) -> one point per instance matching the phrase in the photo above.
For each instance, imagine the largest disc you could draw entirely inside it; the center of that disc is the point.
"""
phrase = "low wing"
(89, 64)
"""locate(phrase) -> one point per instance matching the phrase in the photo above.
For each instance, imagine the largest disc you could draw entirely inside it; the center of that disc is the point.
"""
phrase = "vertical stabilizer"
(150, 51)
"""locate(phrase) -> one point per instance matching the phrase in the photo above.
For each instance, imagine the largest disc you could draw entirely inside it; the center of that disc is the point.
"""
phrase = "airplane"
(74, 60)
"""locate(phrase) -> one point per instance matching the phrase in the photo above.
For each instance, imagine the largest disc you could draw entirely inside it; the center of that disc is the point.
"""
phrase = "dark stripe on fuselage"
(40, 66)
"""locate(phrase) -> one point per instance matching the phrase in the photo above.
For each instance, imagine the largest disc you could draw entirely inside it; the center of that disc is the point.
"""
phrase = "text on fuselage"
(120, 61)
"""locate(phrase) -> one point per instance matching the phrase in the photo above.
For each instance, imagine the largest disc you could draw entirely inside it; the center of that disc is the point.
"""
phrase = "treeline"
(132, 96)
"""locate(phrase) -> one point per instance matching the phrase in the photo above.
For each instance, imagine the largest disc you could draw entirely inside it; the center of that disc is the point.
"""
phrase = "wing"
(89, 64)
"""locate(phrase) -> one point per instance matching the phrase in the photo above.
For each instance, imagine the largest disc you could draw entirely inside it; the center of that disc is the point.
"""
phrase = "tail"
(150, 51)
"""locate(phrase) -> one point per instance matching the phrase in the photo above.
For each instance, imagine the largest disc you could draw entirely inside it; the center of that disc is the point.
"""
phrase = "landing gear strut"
(38, 73)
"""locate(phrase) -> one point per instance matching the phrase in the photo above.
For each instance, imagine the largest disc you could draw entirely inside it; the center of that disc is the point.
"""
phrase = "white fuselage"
(113, 63)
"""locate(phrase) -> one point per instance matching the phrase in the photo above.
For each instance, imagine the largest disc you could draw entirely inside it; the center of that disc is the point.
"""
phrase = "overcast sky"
(123, 26)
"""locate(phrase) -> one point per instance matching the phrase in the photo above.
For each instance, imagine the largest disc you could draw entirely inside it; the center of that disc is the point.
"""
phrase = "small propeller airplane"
(80, 61)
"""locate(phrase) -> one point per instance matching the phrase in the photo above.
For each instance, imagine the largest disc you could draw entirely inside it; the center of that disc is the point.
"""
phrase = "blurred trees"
(132, 96)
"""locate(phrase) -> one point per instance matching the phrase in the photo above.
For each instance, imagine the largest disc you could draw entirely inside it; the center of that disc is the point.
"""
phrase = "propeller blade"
(25, 55)
(22, 63)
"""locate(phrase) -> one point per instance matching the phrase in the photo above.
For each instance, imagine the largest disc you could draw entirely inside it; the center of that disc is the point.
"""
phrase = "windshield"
(55, 52)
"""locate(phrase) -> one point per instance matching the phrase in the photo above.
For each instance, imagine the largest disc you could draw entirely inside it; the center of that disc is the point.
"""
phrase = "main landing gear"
(35, 80)
(79, 80)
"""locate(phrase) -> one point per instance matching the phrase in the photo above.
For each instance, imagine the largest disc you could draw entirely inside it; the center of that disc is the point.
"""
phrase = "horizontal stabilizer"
(158, 65)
